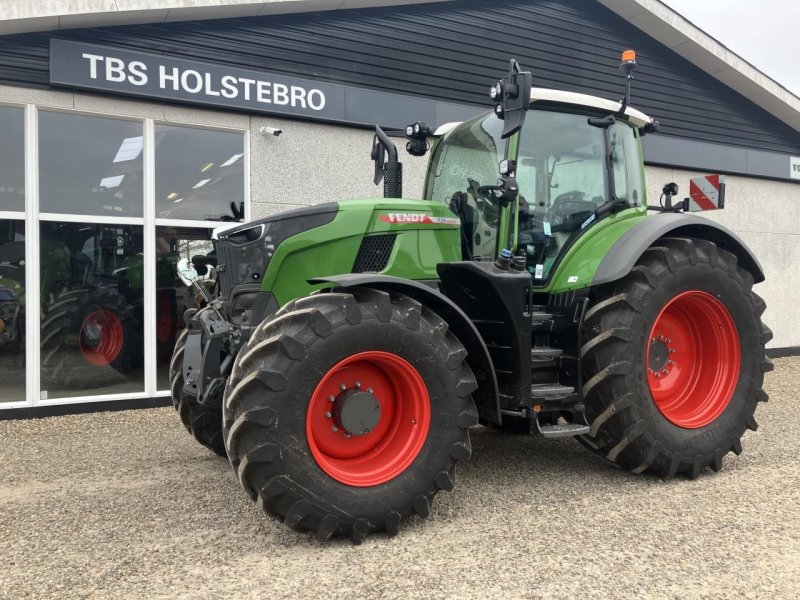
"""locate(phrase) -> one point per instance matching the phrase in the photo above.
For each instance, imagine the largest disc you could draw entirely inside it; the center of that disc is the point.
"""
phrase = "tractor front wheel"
(203, 422)
(673, 360)
(347, 412)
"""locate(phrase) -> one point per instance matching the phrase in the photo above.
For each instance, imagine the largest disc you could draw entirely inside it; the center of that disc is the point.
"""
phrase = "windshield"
(563, 180)
(464, 161)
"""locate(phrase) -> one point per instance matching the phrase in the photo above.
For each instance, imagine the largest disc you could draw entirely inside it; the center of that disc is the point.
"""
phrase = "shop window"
(12, 159)
(92, 309)
(12, 310)
(173, 298)
(199, 174)
(90, 165)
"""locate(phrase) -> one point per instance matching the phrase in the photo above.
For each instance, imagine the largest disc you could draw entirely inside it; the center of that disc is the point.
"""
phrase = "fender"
(487, 399)
(623, 255)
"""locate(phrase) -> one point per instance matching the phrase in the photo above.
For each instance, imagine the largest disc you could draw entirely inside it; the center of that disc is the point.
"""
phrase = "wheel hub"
(658, 356)
(356, 411)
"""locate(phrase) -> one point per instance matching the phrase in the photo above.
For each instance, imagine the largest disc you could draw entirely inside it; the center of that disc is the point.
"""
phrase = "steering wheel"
(484, 192)
(569, 210)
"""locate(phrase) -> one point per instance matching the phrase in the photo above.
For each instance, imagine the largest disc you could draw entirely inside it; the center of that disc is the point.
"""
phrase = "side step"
(550, 391)
(564, 430)
(544, 354)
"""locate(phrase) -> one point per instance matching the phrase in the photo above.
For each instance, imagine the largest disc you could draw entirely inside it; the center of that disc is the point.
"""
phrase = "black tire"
(203, 422)
(271, 389)
(627, 427)
(64, 365)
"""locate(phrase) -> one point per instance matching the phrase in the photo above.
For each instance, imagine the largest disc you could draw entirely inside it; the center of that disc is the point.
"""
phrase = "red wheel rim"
(693, 359)
(164, 324)
(403, 418)
(101, 337)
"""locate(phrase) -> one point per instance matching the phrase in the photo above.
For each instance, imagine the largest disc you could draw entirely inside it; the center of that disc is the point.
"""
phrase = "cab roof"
(549, 96)
(636, 117)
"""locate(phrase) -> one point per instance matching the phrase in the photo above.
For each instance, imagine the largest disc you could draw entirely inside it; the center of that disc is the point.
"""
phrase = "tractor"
(353, 344)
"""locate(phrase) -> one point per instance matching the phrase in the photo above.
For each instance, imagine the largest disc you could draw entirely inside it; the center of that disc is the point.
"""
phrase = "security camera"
(270, 130)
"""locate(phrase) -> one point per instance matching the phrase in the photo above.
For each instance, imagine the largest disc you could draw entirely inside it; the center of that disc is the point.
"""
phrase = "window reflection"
(92, 282)
(199, 174)
(90, 165)
(173, 298)
(12, 310)
(12, 158)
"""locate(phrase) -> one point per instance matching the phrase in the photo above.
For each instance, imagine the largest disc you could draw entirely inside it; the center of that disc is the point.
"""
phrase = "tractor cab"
(575, 160)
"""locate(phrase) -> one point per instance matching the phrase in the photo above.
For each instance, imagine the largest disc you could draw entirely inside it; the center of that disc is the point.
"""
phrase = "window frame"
(32, 218)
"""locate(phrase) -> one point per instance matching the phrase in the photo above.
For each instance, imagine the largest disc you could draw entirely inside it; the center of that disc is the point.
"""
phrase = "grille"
(374, 253)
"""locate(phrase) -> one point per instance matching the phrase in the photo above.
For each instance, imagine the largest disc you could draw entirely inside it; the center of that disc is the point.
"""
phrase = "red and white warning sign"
(706, 193)
(418, 218)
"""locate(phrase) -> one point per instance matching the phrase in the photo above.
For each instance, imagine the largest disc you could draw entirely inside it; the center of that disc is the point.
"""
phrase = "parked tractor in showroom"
(353, 344)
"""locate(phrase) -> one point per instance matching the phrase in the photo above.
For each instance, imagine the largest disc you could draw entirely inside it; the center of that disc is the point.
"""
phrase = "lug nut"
(342, 387)
(670, 362)
(347, 436)
(328, 414)
(667, 341)
(331, 398)
(649, 370)
(369, 390)
(334, 428)
(658, 374)
(358, 384)
(661, 337)
(665, 372)
(672, 350)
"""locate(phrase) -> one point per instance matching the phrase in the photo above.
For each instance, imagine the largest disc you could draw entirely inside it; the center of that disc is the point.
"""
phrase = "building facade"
(128, 136)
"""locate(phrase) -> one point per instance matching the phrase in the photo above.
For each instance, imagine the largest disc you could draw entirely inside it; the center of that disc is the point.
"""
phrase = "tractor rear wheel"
(673, 360)
(347, 412)
(203, 422)
(88, 339)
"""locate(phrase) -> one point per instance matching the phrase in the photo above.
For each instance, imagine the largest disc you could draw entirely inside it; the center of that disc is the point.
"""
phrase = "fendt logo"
(418, 218)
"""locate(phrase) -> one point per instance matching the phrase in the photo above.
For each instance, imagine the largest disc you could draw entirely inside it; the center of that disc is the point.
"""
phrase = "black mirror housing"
(513, 93)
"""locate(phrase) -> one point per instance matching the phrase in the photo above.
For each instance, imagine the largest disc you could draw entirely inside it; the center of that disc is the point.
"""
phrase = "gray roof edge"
(25, 16)
(673, 30)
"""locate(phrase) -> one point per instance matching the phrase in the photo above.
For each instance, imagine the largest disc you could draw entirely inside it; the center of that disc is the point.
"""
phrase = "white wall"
(766, 215)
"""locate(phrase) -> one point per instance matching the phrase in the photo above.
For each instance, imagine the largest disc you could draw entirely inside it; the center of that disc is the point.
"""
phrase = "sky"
(766, 33)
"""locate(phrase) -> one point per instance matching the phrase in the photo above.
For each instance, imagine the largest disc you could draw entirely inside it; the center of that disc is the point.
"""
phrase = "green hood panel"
(427, 233)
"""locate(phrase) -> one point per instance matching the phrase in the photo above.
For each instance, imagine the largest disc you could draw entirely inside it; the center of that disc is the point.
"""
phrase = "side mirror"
(513, 96)
(186, 272)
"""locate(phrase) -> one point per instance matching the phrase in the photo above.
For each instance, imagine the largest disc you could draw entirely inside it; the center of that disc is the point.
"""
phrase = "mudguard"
(487, 399)
(623, 255)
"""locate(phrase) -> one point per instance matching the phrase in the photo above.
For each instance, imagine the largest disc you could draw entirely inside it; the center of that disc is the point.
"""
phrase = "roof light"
(129, 149)
(200, 183)
(172, 195)
(207, 167)
(629, 56)
(231, 160)
(111, 182)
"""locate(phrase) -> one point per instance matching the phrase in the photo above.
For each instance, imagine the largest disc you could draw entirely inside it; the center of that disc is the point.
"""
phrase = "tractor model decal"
(419, 218)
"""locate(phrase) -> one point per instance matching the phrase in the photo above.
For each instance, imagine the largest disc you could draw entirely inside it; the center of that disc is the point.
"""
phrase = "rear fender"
(623, 255)
(486, 396)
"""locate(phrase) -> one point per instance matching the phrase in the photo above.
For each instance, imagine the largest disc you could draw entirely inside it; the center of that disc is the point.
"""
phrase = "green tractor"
(354, 344)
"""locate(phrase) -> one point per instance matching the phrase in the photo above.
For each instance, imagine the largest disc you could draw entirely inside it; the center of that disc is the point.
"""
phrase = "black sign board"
(93, 67)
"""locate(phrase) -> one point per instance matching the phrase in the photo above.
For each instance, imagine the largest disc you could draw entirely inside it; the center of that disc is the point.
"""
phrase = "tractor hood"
(244, 251)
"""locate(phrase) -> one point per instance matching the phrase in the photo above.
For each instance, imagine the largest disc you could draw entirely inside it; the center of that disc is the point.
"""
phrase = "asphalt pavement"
(127, 505)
